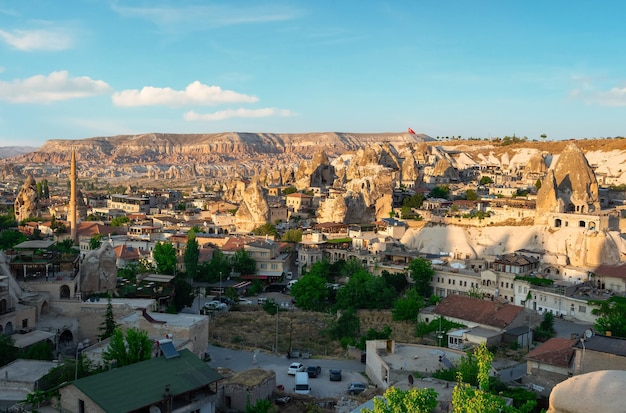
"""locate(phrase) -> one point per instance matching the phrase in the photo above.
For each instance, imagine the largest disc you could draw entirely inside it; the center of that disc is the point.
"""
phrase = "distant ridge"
(11, 151)
(171, 147)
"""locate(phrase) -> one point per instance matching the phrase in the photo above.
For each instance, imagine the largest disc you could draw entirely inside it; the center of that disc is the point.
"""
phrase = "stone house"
(549, 363)
(598, 352)
(610, 277)
(245, 387)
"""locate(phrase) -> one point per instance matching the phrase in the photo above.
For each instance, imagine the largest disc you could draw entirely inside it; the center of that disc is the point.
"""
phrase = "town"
(519, 256)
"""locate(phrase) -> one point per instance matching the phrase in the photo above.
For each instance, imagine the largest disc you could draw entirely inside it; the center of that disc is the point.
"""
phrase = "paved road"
(321, 387)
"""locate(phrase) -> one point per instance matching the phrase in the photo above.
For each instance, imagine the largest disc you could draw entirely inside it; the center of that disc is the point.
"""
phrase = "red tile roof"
(556, 351)
(617, 271)
(479, 311)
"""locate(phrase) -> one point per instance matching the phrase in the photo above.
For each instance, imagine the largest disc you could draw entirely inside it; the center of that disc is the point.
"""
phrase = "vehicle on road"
(302, 383)
(356, 387)
(295, 368)
(244, 300)
(216, 306)
(334, 374)
(314, 371)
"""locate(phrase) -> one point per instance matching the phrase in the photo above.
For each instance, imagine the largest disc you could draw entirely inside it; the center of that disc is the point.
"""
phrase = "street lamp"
(276, 344)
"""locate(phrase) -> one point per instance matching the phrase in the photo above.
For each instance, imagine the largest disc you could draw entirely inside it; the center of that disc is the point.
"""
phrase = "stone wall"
(70, 396)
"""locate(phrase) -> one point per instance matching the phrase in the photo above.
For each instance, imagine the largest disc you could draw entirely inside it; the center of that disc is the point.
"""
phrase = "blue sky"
(83, 68)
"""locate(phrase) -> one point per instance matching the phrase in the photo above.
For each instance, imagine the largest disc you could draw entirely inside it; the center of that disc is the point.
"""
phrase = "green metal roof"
(141, 384)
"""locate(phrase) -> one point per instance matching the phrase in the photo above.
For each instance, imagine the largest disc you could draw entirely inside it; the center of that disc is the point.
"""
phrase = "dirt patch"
(253, 328)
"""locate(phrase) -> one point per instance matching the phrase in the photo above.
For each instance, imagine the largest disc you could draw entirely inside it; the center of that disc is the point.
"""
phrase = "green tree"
(261, 406)
(8, 352)
(10, 238)
(192, 255)
(310, 293)
(538, 184)
(484, 180)
(611, 316)
(290, 190)
(183, 293)
(348, 325)
(210, 271)
(108, 325)
(441, 191)
(292, 235)
(38, 351)
(119, 221)
(408, 308)
(164, 255)
(321, 269)
(414, 201)
(543, 136)
(128, 349)
(7, 221)
(266, 229)
(396, 280)
(243, 263)
(363, 290)
(413, 400)
(471, 195)
(95, 242)
(421, 271)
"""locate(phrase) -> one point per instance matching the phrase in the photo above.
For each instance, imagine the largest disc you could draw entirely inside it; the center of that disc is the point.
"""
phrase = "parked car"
(356, 387)
(314, 371)
(244, 300)
(334, 374)
(295, 368)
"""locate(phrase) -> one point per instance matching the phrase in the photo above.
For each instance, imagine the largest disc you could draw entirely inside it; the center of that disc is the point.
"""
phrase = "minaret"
(73, 233)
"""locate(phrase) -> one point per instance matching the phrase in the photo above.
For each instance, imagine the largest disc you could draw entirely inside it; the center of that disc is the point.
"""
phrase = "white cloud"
(202, 17)
(194, 94)
(40, 39)
(56, 86)
(237, 113)
(614, 97)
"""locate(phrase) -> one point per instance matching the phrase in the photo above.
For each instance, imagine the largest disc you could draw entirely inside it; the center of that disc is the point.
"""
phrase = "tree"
(413, 400)
(545, 330)
(610, 316)
(266, 229)
(484, 180)
(8, 352)
(407, 308)
(243, 263)
(310, 292)
(119, 221)
(471, 195)
(164, 255)
(290, 190)
(543, 136)
(538, 184)
(39, 351)
(441, 191)
(7, 221)
(10, 238)
(422, 272)
(365, 291)
(192, 255)
(132, 348)
(95, 242)
(347, 326)
(292, 235)
(183, 293)
(108, 325)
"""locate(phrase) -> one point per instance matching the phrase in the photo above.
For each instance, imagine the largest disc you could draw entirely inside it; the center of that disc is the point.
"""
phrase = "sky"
(77, 69)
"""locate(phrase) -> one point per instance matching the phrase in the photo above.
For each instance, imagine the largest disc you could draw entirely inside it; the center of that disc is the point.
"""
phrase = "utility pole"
(276, 344)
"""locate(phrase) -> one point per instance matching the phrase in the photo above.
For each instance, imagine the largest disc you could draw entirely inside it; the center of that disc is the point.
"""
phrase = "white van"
(291, 283)
(302, 383)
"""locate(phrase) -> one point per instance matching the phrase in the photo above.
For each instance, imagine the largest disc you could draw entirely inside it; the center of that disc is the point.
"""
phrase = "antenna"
(588, 333)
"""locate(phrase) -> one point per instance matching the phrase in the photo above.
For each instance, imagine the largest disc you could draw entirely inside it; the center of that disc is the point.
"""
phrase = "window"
(582, 309)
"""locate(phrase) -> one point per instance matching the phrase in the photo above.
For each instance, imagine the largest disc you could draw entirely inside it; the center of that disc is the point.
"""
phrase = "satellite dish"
(155, 409)
(588, 333)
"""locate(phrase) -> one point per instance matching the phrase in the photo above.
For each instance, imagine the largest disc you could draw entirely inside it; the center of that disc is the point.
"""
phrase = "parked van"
(291, 283)
(302, 383)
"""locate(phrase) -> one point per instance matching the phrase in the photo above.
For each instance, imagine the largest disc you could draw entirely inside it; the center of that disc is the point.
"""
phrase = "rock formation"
(253, 210)
(600, 391)
(27, 201)
(98, 273)
(570, 185)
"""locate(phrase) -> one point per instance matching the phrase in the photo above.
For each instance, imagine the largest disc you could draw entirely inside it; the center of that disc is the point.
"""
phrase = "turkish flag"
(411, 131)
